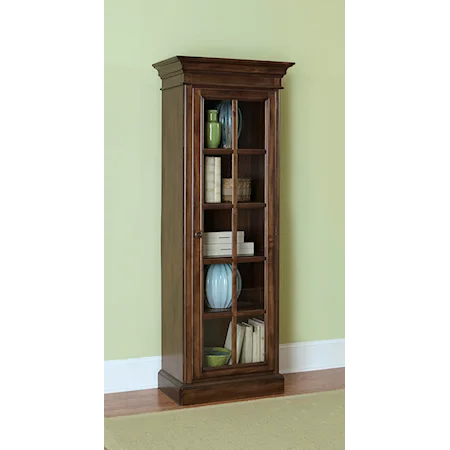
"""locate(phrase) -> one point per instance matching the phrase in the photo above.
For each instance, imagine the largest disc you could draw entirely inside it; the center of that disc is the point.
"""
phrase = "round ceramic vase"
(212, 130)
(219, 285)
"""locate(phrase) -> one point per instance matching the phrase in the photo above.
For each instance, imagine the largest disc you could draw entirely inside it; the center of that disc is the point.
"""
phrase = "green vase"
(212, 130)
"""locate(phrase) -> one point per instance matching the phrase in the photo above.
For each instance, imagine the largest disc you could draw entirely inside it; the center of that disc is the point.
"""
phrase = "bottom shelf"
(250, 339)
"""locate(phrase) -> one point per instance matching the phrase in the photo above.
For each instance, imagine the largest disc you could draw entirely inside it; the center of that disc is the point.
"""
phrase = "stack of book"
(213, 183)
(220, 243)
(250, 341)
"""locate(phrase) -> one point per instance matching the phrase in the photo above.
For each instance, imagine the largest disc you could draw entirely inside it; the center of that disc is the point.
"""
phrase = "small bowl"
(216, 356)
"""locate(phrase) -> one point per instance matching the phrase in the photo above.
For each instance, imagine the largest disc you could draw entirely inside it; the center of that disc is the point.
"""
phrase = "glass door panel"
(252, 130)
(233, 211)
(251, 297)
(252, 347)
(217, 338)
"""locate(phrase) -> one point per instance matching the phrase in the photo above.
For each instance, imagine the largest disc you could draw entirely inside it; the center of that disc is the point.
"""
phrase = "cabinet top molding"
(225, 72)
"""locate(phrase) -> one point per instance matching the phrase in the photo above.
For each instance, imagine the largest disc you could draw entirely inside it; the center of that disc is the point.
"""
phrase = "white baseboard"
(313, 355)
(135, 374)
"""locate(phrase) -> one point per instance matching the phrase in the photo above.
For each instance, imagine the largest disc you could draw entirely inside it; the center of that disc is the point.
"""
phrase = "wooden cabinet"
(246, 92)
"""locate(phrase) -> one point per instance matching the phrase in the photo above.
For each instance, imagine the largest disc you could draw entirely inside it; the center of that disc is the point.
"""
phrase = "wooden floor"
(152, 400)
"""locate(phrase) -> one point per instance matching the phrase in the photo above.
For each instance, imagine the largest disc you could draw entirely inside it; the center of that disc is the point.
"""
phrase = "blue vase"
(219, 285)
(225, 109)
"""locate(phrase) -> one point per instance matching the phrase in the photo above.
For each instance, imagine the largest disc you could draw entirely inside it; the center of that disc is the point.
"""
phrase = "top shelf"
(229, 151)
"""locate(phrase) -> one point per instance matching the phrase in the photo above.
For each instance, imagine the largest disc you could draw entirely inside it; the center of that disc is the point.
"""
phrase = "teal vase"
(212, 130)
(219, 286)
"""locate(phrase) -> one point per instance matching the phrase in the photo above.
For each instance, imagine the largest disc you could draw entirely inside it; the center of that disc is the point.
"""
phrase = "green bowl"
(216, 356)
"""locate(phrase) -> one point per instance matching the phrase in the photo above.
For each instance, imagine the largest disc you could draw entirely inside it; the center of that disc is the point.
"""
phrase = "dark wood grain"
(197, 202)
(215, 331)
(190, 87)
(217, 151)
(222, 72)
(233, 389)
(172, 233)
(253, 130)
(170, 386)
(188, 238)
(229, 260)
(229, 94)
(271, 286)
(184, 64)
(234, 228)
(252, 294)
(275, 123)
(214, 314)
(226, 388)
(217, 206)
(240, 205)
(217, 219)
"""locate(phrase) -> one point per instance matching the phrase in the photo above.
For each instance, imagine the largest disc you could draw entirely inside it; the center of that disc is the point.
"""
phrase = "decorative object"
(190, 87)
(244, 188)
(219, 284)
(212, 130)
(216, 356)
(226, 119)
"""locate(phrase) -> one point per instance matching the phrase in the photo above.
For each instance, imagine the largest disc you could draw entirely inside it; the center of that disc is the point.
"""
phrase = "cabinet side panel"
(172, 232)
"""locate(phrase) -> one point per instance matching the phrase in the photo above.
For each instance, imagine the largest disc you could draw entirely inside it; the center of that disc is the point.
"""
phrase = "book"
(255, 341)
(220, 237)
(239, 340)
(217, 179)
(213, 179)
(259, 351)
(262, 338)
(226, 249)
(209, 179)
(247, 344)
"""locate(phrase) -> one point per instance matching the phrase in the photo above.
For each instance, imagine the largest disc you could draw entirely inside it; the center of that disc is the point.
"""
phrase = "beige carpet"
(305, 422)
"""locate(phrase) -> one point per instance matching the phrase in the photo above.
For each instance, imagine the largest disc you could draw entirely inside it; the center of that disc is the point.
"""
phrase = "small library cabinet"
(220, 228)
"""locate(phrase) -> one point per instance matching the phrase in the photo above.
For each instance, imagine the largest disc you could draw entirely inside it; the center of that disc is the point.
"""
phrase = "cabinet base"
(220, 390)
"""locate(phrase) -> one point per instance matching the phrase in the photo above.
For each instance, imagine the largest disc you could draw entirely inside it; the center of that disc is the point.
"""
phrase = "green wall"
(310, 33)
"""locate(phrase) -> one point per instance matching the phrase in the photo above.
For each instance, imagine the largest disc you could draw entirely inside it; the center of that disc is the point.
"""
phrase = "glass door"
(233, 301)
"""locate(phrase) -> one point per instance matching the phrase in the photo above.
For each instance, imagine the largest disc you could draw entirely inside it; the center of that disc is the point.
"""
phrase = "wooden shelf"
(251, 151)
(240, 205)
(217, 151)
(229, 151)
(229, 260)
(221, 314)
(211, 206)
(251, 205)
(250, 311)
(231, 366)
(217, 314)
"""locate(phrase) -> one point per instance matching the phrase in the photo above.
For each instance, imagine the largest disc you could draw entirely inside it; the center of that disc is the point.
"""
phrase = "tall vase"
(225, 110)
(212, 130)
(219, 285)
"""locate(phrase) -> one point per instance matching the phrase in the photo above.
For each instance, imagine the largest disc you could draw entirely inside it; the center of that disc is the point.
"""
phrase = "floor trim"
(135, 374)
